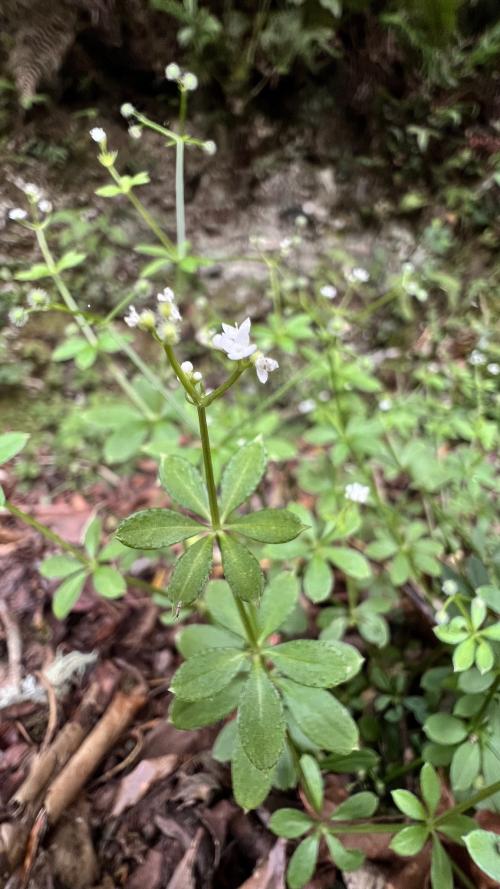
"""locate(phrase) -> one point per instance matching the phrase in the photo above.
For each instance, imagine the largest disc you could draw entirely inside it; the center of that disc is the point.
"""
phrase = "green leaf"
(109, 583)
(490, 595)
(320, 664)
(67, 594)
(444, 729)
(485, 658)
(456, 826)
(92, 536)
(303, 862)
(156, 528)
(250, 785)
(225, 742)
(222, 607)
(313, 781)
(360, 805)
(410, 840)
(400, 569)
(268, 525)
(189, 715)
(191, 572)
(123, 444)
(69, 348)
(463, 656)
(241, 476)
(111, 416)
(409, 804)
(345, 859)
(86, 357)
(198, 637)
(318, 579)
(59, 566)
(290, 823)
(349, 561)
(430, 787)
(241, 569)
(34, 273)
(484, 849)
(207, 673)
(261, 725)
(465, 765)
(441, 870)
(70, 259)
(374, 629)
(321, 717)
(11, 443)
(278, 601)
(108, 191)
(184, 483)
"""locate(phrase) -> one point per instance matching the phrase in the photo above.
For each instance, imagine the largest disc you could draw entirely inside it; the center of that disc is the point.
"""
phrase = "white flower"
(300, 221)
(328, 291)
(306, 406)
(385, 404)
(209, 147)
(450, 587)
(98, 134)
(127, 109)
(172, 71)
(135, 132)
(32, 191)
(493, 369)
(38, 298)
(17, 214)
(189, 81)
(44, 206)
(187, 367)
(18, 316)
(441, 617)
(356, 492)
(168, 305)
(477, 358)
(133, 317)
(358, 275)
(264, 366)
(235, 341)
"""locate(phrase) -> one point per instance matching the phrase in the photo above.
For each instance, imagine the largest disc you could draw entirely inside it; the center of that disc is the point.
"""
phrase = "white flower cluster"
(357, 492)
(357, 275)
(185, 79)
(164, 323)
(235, 342)
(35, 196)
(328, 291)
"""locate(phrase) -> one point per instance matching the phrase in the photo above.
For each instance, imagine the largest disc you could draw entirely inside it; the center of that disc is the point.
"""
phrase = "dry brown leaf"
(183, 877)
(270, 874)
(136, 784)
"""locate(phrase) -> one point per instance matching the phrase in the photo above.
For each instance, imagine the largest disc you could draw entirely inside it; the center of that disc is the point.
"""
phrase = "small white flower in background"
(493, 369)
(17, 214)
(197, 376)
(385, 404)
(450, 587)
(172, 71)
(328, 291)
(168, 305)
(18, 316)
(300, 221)
(189, 81)
(264, 366)
(306, 406)
(408, 268)
(135, 132)
(235, 341)
(127, 109)
(476, 358)
(45, 206)
(441, 617)
(209, 147)
(357, 275)
(133, 317)
(187, 367)
(285, 246)
(357, 492)
(38, 298)
(98, 134)
(32, 191)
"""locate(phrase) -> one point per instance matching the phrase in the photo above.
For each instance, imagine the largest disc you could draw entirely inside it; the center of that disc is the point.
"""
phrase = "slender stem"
(181, 376)
(144, 214)
(464, 879)
(247, 621)
(179, 197)
(209, 470)
(46, 532)
(470, 803)
(208, 399)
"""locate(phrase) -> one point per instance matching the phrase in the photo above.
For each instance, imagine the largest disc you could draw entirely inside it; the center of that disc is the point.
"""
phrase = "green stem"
(208, 399)
(247, 621)
(181, 376)
(464, 879)
(180, 215)
(470, 803)
(144, 213)
(46, 532)
(209, 470)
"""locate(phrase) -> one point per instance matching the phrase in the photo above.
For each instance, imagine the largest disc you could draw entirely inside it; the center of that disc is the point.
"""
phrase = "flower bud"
(127, 110)
(172, 71)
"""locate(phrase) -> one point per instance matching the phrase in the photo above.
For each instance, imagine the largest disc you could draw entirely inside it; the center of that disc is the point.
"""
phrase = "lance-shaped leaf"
(345, 859)
(241, 569)
(222, 607)
(241, 476)
(191, 572)
(321, 717)
(320, 664)
(11, 443)
(205, 674)
(250, 785)
(303, 862)
(155, 528)
(261, 725)
(198, 637)
(68, 593)
(195, 714)
(278, 601)
(185, 484)
(268, 525)
(290, 823)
